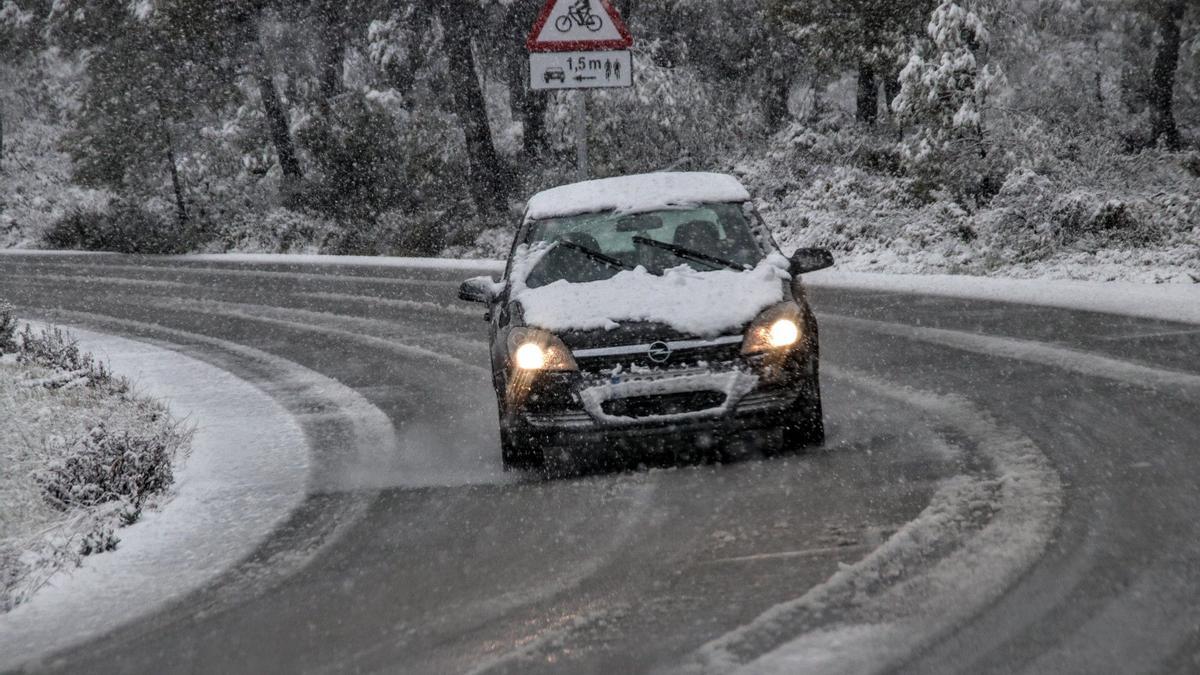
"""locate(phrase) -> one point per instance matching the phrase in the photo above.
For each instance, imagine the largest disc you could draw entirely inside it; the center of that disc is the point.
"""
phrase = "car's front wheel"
(804, 426)
(518, 452)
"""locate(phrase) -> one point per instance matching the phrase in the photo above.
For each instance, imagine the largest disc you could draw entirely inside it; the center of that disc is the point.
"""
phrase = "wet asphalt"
(440, 562)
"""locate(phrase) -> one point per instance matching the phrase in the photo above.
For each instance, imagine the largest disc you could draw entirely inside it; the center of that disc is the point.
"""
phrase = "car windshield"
(595, 246)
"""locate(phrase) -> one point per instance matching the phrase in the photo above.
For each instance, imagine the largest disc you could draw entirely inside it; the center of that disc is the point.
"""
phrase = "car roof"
(636, 194)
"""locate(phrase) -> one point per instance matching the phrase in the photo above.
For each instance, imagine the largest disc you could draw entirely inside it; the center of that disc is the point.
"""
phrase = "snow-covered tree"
(944, 90)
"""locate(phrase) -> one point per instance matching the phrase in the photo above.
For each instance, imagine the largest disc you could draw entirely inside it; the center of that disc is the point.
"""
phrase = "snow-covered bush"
(278, 230)
(54, 348)
(8, 327)
(83, 455)
(393, 233)
(109, 465)
(123, 227)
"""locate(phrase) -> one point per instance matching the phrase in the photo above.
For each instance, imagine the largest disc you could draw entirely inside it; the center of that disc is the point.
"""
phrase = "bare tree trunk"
(180, 203)
(1162, 79)
(281, 134)
(333, 48)
(891, 89)
(527, 105)
(868, 94)
(491, 179)
(625, 8)
(775, 104)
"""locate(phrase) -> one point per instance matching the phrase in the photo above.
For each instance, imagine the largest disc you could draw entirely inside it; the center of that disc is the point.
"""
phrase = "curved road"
(426, 557)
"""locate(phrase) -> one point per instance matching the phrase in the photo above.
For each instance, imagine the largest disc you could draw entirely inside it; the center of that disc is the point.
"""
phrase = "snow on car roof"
(637, 194)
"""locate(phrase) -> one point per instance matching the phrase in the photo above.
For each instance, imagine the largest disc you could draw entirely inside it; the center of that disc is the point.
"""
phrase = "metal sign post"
(574, 46)
(581, 139)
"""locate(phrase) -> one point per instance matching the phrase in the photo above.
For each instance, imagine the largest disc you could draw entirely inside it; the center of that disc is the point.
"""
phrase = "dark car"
(554, 74)
(652, 310)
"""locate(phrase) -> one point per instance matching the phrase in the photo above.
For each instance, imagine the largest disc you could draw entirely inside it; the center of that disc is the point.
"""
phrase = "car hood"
(681, 300)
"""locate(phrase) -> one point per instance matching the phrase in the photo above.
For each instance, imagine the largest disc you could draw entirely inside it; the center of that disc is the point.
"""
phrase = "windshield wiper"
(596, 255)
(683, 252)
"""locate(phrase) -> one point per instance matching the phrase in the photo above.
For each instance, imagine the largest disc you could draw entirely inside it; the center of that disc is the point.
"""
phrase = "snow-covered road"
(1006, 488)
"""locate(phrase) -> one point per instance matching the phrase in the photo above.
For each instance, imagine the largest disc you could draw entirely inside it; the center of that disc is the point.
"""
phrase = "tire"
(805, 427)
(518, 453)
(594, 23)
(557, 462)
(563, 24)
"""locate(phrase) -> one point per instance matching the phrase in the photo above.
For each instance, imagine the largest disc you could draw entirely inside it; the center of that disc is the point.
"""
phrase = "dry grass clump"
(80, 456)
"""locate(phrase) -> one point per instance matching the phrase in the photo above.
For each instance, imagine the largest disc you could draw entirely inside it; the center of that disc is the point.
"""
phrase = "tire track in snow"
(1086, 363)
(251, 273)
(412, 305)
(275, 316)
(391, 303)
(904, 595)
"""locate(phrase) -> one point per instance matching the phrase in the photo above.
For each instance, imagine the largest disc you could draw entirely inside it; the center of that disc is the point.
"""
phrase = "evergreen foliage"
(396, 126)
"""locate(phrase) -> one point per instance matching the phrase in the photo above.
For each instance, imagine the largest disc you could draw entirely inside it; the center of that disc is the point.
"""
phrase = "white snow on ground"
(700, 303)
(247, 471)
(893, 604)
(1166, 302)
(637, 194)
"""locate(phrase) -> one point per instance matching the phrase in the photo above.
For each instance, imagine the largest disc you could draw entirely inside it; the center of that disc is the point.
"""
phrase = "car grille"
(663, 404)
(681, 358)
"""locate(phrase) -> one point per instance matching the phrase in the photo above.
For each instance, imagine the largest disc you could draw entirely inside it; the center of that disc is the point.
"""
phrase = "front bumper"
(571, 410)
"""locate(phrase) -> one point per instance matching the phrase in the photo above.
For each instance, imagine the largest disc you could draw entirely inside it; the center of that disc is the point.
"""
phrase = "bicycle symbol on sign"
(580, 14)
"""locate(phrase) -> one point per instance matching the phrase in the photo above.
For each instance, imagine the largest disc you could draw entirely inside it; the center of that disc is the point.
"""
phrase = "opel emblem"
(659, 352)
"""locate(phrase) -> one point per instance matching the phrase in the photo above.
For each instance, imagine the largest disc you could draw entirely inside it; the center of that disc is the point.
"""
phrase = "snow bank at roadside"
(248, 470)
(1165, 302)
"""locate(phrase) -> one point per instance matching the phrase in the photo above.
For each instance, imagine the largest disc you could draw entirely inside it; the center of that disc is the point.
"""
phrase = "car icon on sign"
(554, 74)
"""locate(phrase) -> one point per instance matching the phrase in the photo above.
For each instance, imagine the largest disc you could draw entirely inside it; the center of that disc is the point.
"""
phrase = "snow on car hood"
(698, 303)
(637, 194)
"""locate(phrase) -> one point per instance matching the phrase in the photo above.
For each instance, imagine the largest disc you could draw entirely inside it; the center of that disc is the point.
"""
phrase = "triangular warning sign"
(578, 26)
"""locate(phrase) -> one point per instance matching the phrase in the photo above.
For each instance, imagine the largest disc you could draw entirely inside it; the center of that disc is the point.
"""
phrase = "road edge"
(248, 470)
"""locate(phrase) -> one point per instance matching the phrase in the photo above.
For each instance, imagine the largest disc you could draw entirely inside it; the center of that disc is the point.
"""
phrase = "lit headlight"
(783, 333)
(530, 356)
(535, 349)
(778, 327)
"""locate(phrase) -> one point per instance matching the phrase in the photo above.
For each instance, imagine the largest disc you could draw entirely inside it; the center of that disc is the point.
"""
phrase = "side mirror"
(806, 260)
(477, 289)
